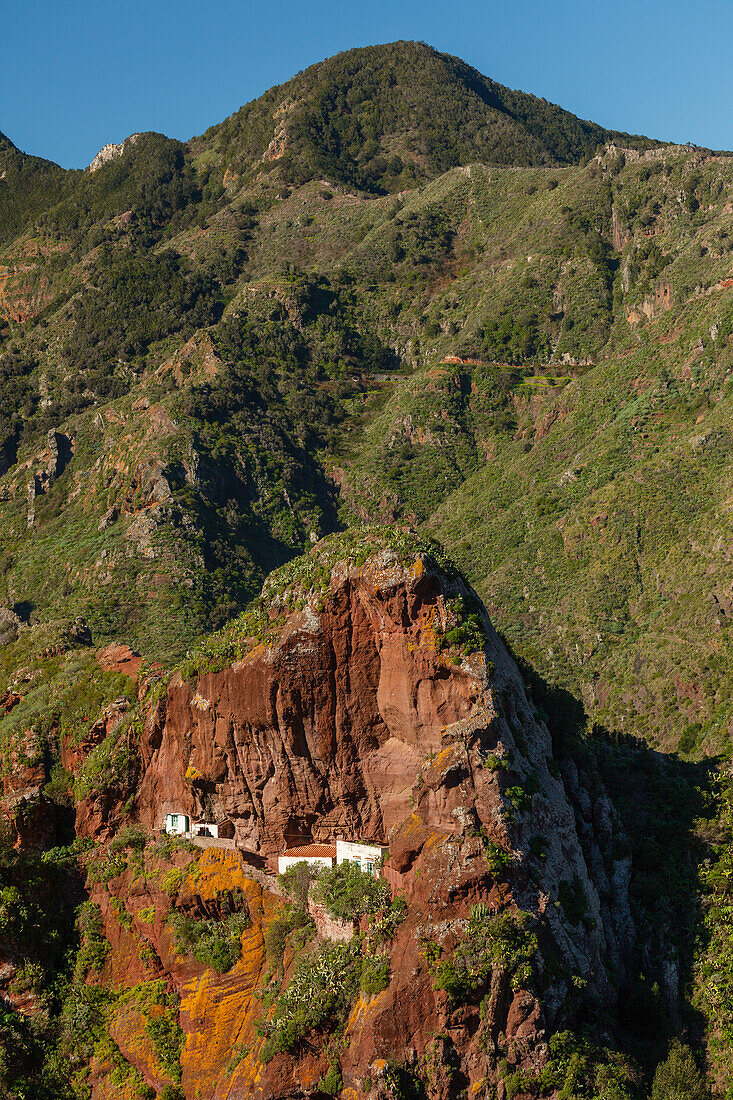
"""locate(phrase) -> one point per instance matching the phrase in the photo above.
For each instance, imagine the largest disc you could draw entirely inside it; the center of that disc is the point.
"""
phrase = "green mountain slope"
(27, 186)
(384, 117)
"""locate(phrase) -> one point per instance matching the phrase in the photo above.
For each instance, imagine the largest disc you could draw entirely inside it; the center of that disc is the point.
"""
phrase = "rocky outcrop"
(353, 712)
(653, 305)
(59, 451)
(110, 152)
(118, 657)
(32, 820)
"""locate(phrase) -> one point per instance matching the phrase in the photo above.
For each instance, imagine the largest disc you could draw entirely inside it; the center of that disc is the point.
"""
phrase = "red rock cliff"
(359, 717)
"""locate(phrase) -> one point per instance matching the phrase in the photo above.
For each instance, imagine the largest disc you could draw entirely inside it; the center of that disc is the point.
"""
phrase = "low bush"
(678, 1076)
(468, 633)
(171, 882)
(94, 946)
(321, 990)
(350, 893)
(165, 1033)
(332, 1082)
(132, 836)
(291, 919)
(171, 1092)
(297, 880)
(374, 974)
(490, 941)
(497, 859)
(215, 944)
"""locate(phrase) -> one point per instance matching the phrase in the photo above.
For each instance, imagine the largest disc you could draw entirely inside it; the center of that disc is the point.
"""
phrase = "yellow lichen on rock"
(127, 1029)
(216, 870)
(418, 567)
(219, 1011)
(366, 1006)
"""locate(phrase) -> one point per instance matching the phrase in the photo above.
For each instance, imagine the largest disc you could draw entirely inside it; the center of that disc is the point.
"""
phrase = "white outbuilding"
(319, 855)
(366, 856)
(177, 824)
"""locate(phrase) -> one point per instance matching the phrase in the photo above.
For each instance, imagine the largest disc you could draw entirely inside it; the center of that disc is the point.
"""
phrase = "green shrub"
(520, 799)
(171, 1092)
(131, 836)
(321, 991)
(453, 977)
(332, 1082)
(374, 974)
(215, 944)
(291, 919)
(172, 881)
(497, 859)
(678, 1078)
(383, 925)
(468, 634)
(579, 1067)
(297, 880)
(689, 738)
(503, 940)
(60, 786)
(519, 1081)
(94, 947)
(168, 1039)
(350, 893)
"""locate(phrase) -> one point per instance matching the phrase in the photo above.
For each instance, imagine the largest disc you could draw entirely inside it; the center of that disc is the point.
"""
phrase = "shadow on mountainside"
(662, 801)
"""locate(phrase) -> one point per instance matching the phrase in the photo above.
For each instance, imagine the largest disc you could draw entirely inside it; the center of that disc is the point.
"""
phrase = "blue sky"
(75, 74)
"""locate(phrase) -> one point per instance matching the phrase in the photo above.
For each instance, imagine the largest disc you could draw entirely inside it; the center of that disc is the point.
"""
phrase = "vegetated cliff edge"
(368, 695)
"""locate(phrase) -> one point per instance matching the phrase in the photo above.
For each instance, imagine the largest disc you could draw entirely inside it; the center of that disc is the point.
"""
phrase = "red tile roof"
(326, 851)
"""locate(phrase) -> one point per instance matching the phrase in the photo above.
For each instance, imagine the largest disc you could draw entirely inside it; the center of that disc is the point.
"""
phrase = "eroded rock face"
(357, 720)
(327, 731)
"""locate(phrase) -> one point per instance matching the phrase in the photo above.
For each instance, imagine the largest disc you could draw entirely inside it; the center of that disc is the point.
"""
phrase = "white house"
(367, 856)
(320, 855)
(205, 828)
(177, 824)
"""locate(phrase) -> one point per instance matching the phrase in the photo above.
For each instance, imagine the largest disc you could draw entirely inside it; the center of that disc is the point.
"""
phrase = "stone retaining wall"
(326, 925)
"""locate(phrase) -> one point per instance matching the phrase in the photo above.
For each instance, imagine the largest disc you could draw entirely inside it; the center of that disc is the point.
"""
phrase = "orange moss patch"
(442, 758)
(418, 567)
(431, 635)
(127, 1028)
(434, 840)
(216, 870)
(219, 1011)
(412, 825)
(365, 1008)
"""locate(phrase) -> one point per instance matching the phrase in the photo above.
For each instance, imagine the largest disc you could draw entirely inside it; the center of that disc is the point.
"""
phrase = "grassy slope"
(578, 519)
(596, 477)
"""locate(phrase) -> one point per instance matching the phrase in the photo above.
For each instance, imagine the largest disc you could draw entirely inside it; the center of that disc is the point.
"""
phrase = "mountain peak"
(383, 118)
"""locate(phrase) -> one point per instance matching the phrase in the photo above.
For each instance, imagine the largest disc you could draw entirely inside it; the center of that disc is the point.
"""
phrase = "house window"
(174, 821)
(369, 867)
